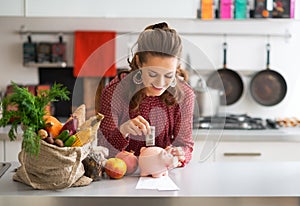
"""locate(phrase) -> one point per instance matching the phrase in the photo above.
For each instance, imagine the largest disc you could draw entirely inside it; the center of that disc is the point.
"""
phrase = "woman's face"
(158, 73)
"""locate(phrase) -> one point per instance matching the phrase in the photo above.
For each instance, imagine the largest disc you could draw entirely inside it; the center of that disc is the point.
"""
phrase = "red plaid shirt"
(173, 124)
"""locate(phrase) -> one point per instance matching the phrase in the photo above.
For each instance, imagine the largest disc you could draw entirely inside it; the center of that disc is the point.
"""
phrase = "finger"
(135, 128)
(180, 151)
(142, 127)
(181, 158)
(147, 129)
(142, 119)
(174, 151)
(168, 149)
(178, 162)
(138, 123)
(171, 150)
(177, 151)
(131, 131)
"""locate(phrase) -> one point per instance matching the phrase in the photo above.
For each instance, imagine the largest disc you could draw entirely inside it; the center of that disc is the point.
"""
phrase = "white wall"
(244, 53)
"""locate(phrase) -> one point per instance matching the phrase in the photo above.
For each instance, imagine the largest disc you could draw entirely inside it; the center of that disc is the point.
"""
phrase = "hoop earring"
(137, 78)
(173, 83)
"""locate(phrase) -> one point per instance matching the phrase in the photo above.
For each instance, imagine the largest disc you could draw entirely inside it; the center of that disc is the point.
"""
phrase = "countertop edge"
(281, 135)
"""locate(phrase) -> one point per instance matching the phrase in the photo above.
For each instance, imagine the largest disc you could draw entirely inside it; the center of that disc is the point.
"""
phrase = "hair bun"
(162, 25)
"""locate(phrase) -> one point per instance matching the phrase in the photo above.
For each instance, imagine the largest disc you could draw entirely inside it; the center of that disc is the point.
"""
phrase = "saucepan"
(208, 100)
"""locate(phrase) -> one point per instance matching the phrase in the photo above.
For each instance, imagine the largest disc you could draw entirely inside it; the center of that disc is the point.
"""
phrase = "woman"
(152, 93)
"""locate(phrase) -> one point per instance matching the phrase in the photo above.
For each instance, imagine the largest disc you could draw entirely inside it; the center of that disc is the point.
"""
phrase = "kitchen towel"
(94, 54)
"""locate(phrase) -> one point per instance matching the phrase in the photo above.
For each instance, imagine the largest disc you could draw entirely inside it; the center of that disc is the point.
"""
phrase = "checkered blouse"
(173, 124)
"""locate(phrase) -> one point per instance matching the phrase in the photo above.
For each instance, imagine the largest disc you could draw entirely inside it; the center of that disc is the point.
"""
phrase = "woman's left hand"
(177, 152)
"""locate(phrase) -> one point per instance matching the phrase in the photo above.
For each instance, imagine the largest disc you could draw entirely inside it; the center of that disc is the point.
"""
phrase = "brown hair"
(157, 40)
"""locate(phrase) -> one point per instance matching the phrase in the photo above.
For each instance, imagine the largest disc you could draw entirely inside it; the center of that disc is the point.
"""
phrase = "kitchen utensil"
(44, 52)
(227, 80)
(268, 87)
(29, 51)
(208, 100)
(58, 51)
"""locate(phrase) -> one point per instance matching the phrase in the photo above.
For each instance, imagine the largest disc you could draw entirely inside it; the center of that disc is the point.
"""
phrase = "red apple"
(130, 159)
(115, 168)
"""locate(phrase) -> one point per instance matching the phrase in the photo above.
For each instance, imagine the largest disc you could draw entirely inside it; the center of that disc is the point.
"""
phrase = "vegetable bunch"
(30, 113)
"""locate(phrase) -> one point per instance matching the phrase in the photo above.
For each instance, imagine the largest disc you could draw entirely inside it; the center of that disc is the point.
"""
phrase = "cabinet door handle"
(253, 154)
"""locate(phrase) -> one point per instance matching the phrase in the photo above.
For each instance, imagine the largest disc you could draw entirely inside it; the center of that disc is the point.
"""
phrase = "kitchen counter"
(282, 134)
(220, 183)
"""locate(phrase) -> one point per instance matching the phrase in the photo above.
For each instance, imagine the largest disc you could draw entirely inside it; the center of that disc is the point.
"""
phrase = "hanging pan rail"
(285, 35)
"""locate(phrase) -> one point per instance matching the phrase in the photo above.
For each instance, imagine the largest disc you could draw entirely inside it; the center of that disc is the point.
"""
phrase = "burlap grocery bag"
(54, 168)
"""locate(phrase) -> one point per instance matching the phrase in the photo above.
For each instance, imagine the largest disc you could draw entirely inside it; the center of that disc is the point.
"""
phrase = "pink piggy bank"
(156, 161)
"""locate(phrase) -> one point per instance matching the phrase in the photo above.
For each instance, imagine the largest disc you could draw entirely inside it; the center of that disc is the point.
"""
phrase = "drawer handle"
(253, 154)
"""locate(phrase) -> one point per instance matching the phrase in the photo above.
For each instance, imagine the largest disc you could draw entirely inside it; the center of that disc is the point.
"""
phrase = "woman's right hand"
(135, 126)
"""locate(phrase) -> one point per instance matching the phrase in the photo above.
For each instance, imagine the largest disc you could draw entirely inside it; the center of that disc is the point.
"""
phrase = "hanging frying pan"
(268, 87)
(227, 80)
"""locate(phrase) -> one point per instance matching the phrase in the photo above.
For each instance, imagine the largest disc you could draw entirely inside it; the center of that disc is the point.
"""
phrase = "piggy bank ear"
(142, 149)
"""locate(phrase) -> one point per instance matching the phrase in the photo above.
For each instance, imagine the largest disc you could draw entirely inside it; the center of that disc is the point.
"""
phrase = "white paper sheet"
(160, 183)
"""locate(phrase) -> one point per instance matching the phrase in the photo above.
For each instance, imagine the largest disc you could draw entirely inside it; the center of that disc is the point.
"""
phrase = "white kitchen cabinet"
(203, 152)
(258, 151)
(112, 8)
(12, 149)
(12, 7)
